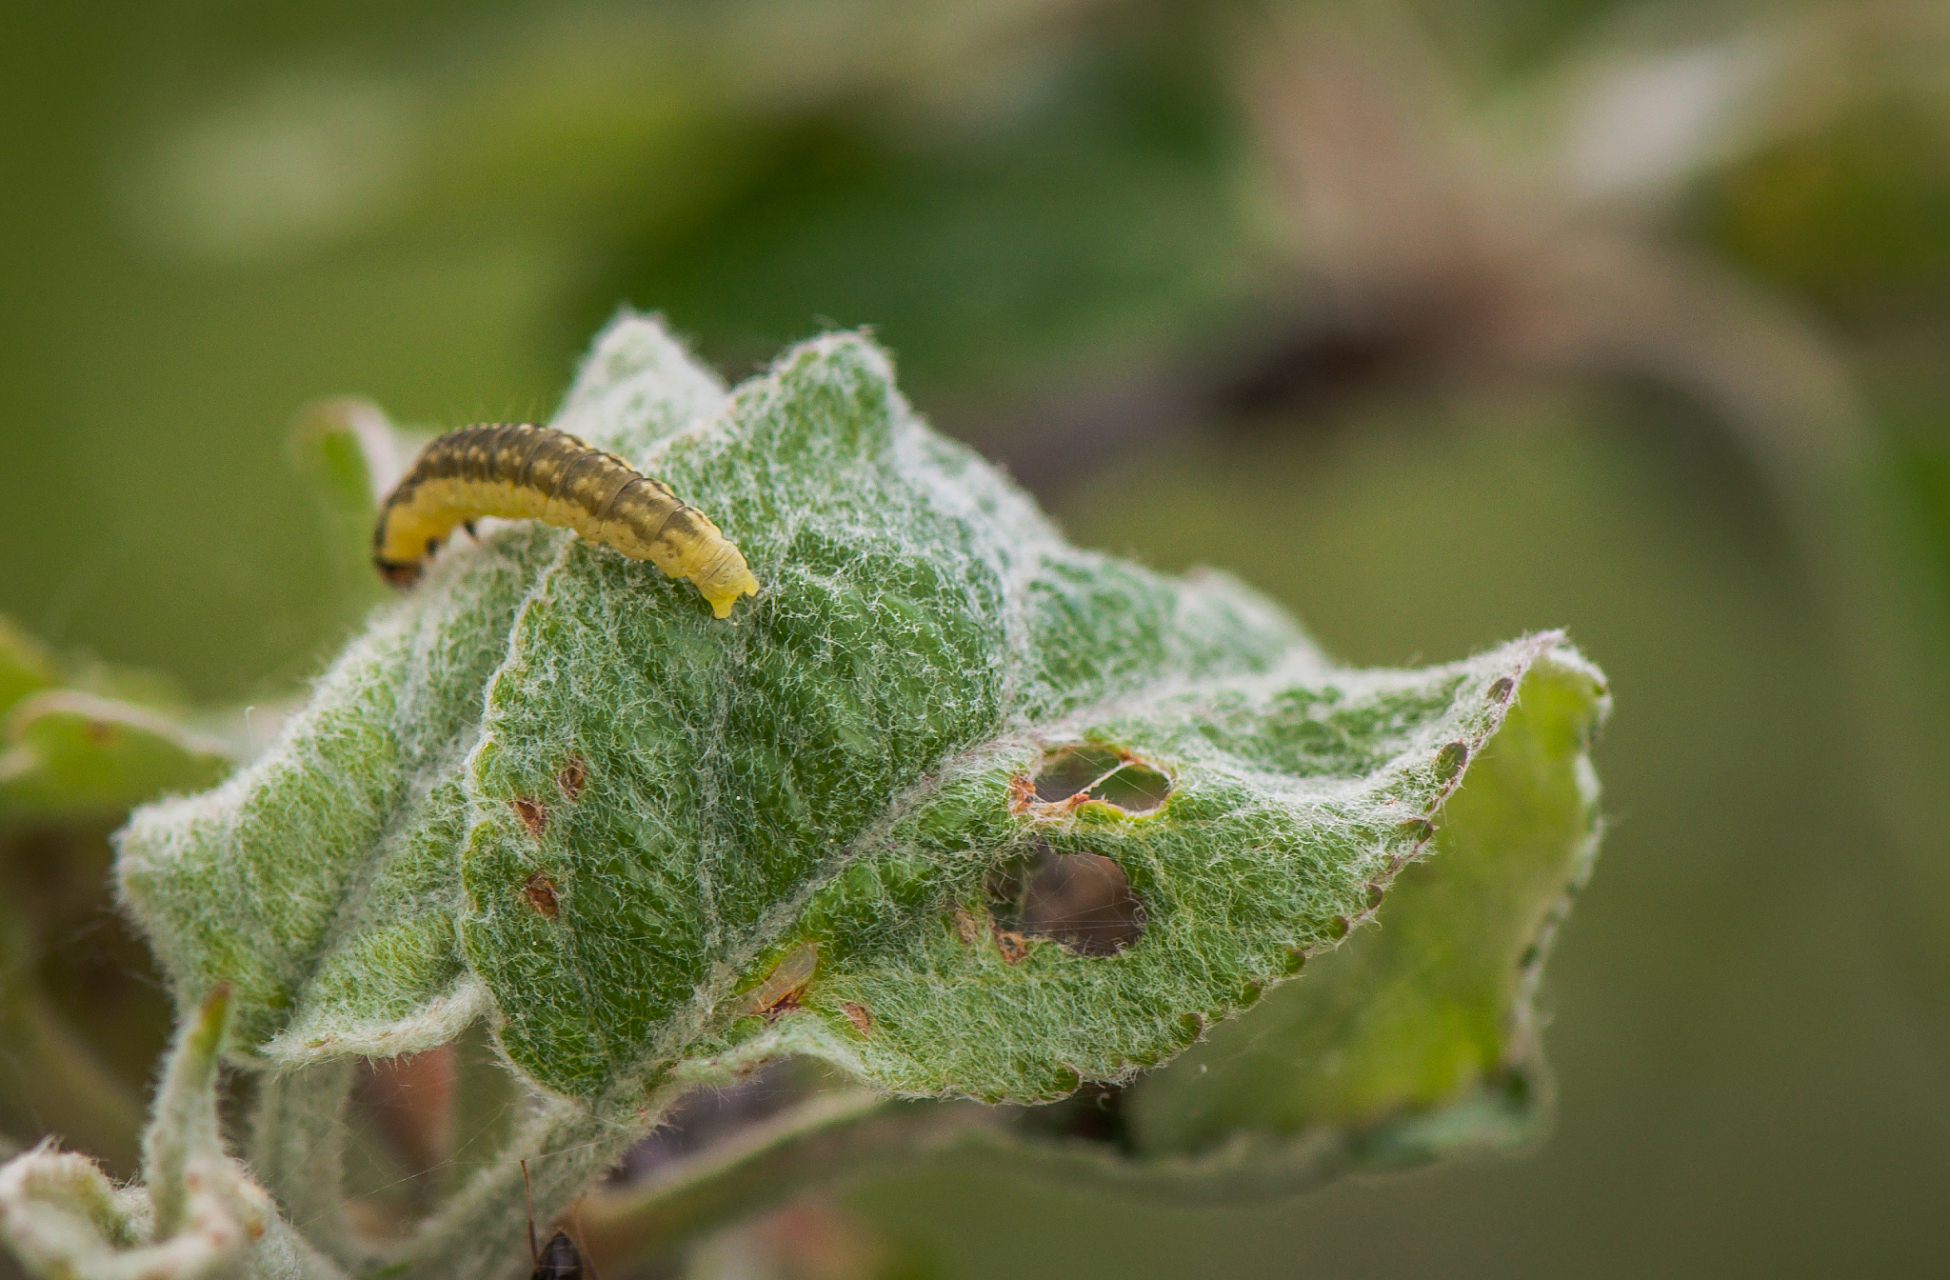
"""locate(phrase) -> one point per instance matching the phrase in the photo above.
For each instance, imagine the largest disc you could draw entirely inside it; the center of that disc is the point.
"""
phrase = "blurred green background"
(1440, 321)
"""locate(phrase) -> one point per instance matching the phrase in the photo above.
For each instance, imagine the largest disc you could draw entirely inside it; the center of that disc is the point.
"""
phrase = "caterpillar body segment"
(521, 472)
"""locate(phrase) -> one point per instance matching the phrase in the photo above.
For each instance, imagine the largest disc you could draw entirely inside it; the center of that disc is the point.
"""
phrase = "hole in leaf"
(1081, 901)
(1003, 889)
(1093, 771)
(1135, 788)
(1067, 772)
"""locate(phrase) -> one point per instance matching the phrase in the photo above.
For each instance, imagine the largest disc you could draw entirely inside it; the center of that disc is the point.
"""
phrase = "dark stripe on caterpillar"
(517, 471)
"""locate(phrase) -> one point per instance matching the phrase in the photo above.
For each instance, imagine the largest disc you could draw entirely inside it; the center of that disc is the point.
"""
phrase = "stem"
(185, 1122)
(481, 1230)
(298, 1150)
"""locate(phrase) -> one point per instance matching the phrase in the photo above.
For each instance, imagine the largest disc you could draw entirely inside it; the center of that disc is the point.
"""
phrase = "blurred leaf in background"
(80, 1013)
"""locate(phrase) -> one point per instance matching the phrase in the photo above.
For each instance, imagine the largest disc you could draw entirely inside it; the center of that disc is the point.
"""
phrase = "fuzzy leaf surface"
(658, 846)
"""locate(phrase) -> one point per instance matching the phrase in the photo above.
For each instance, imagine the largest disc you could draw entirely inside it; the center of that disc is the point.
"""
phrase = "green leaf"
(951, 804)
(1420, 1035)
(75, 755)
(69, 754)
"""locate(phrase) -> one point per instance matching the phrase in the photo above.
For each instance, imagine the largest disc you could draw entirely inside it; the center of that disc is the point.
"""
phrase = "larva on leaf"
(522, 472)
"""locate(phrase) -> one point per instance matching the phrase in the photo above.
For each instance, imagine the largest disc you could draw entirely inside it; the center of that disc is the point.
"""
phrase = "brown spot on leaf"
(1022, 793)
(101, 732)
(1011, 944)
(964, 926)
(539, 892)
(857, 1015)
(1450, 760)
(1501, 689)
(572, 776)
(533, 815)
(1417, 829)
(781, 988)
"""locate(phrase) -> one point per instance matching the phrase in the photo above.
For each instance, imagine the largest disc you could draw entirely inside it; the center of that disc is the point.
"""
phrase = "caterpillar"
(518, 471)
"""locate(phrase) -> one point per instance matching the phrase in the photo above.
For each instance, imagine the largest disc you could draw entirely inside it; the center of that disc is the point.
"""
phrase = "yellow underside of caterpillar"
(688, 546)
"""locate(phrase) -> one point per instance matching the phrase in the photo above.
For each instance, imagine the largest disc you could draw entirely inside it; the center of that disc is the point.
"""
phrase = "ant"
(561, 1258)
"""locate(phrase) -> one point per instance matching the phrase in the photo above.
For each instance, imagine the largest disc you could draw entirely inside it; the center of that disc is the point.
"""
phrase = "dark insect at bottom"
(561, 1258)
